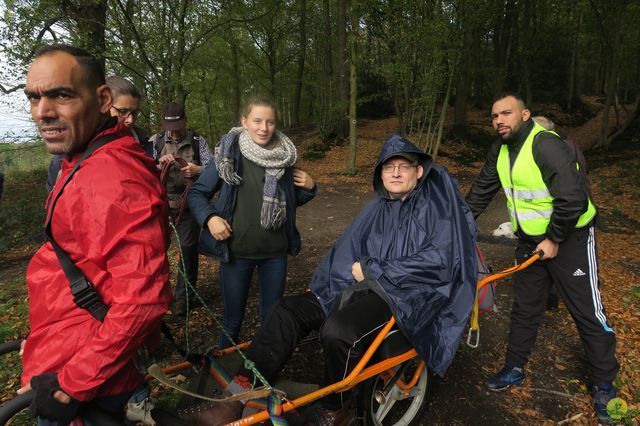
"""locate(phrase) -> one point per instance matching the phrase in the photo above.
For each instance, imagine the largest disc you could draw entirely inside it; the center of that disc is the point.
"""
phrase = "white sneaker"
(140, 412)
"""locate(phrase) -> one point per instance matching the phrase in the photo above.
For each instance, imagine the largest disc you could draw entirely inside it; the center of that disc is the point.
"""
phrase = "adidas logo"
(578, 273)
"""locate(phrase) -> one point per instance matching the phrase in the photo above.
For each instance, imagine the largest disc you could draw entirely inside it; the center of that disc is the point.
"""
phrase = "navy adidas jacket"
(418, 254)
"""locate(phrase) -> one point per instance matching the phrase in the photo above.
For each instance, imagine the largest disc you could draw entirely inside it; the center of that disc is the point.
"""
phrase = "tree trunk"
(235, 79)
(353, 82)
(443, 115)
(612, 35)
(505, 11)
(632, 117)
(574, 63)
(301, 59)
(327, 77)
(343, 95)
(463, 86)
(90, 20)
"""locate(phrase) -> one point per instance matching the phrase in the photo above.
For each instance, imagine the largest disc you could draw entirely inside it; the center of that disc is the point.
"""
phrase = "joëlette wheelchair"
(394, 383)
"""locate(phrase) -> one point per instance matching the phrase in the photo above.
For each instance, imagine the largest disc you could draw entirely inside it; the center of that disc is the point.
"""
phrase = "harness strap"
(84, 294)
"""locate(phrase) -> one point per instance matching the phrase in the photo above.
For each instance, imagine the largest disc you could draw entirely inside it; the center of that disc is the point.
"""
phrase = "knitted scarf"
(279, 154)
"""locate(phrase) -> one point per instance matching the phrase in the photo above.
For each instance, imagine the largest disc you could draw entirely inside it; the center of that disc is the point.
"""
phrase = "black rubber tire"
(8, 347)
(403, 412)
(14, 406)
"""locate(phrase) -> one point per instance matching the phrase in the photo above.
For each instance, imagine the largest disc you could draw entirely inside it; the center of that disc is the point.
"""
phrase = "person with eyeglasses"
(409, 253)
(126, 108)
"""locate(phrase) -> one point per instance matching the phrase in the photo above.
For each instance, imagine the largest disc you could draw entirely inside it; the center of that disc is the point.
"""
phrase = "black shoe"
(505, 378)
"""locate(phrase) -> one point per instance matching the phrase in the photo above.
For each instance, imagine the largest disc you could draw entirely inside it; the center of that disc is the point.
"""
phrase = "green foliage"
(212, 55)
(22, 211)
(14, 313)
(23, 156)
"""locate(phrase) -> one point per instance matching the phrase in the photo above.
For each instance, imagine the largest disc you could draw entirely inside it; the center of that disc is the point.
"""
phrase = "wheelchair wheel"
(386, 404)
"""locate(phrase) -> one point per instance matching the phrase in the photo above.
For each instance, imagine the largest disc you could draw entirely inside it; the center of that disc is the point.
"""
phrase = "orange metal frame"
(360, 372)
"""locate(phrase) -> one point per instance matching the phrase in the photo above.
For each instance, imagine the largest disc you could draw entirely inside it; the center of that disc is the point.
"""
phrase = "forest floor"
(556, 388)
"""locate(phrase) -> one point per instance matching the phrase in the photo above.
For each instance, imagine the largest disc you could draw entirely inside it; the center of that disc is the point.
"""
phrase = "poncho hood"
(393, 147)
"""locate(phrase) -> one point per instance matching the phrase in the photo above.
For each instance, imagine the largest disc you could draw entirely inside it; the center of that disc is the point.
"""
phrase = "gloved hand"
(45, 405)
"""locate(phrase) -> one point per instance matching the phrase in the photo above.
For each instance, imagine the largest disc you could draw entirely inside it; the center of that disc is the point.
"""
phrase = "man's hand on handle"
(549, 249)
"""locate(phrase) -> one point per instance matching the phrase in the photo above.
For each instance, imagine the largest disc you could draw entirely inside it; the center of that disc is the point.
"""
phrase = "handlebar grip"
(8, 347)
(14, 406)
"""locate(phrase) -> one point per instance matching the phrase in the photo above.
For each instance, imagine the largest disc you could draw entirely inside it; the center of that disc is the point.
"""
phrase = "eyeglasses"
(125, 112)
(402, 168)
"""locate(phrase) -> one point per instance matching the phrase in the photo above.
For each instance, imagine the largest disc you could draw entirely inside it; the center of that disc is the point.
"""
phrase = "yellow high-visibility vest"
(529, 201)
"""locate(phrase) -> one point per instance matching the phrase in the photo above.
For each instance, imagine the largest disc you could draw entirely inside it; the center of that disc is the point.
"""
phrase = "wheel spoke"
(391, 398)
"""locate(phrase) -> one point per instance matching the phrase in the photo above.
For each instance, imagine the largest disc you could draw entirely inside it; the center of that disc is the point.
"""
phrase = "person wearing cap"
(409, 253)
(178, 141)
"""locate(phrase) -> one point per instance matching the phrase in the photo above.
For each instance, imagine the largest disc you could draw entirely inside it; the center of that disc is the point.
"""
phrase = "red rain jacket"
(111, 219)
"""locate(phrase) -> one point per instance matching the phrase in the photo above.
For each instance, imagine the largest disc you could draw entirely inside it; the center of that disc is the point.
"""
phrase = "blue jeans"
(235, 281)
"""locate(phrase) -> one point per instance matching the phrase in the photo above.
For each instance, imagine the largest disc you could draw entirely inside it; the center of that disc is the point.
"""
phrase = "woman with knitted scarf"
(252, 222)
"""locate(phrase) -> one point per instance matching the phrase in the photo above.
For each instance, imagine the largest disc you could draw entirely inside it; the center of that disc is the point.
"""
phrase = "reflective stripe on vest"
(529, 201)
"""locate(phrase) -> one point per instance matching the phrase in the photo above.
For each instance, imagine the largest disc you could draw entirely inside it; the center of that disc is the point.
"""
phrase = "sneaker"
(602, 394)
(505, 378)
(139, 412)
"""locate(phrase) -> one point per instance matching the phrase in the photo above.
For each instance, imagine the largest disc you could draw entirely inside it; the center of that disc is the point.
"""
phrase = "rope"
(188, 182)
(248, 364)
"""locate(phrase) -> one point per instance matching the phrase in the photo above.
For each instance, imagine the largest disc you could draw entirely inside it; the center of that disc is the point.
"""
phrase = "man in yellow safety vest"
(550, 210)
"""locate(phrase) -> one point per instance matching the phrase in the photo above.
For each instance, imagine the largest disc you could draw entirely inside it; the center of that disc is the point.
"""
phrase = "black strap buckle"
(86, 297)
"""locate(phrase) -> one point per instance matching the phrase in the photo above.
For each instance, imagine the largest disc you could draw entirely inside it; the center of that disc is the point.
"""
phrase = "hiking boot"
(602, 394)
(505, 378)
(211, 414)
(344, 416)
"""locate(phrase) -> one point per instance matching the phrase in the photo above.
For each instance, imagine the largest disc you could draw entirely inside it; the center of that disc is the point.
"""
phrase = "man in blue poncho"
(410, 253)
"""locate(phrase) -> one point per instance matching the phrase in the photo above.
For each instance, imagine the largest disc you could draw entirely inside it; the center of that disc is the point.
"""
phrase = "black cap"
(173, 117)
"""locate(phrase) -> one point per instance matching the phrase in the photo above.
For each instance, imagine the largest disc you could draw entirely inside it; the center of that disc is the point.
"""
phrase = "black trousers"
(575, 273)
(188, 235)
(344, 335)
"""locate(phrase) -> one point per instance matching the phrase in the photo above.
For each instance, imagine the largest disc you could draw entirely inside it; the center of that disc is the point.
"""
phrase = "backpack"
(487, 294)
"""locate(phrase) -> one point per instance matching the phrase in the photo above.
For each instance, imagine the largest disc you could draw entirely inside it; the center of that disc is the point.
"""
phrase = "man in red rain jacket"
(111, 220)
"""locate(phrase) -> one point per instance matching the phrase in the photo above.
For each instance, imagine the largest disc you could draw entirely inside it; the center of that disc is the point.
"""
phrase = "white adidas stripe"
(593, 280)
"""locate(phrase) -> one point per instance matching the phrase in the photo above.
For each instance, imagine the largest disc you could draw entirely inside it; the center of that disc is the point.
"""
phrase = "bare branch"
(138, 39)
(6, 91)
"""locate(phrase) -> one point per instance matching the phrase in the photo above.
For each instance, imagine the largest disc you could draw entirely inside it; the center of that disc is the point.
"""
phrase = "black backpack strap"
(195, 143)
(84, 294)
